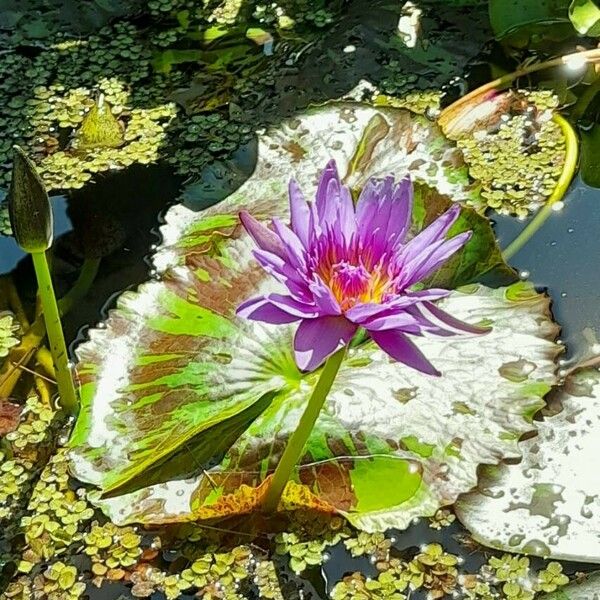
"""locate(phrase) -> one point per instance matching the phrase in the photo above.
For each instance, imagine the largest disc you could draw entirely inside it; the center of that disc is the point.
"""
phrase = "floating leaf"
(177, 388)
(548, 504)
(585, 16)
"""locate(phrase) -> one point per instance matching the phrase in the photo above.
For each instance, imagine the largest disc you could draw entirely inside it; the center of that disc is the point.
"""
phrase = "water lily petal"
(294, 306)
(316, 339)
(400, 348)
(328, 192)
(432, 233)
(262, 235)
(363, 313)
(400, 320)
(323, 297)
(421, 266)
(262, 309)
(448, 323)
(293, 246)
(400, 211)
(279, 269)
(299, 213)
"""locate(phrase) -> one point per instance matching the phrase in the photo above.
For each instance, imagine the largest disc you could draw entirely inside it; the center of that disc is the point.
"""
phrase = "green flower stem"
(589, 56)
(295, 446)
(58, 348)
(569, 168)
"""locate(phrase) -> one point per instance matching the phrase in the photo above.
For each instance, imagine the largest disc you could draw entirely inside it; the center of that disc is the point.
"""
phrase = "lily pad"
(186, 408)
(548, 504)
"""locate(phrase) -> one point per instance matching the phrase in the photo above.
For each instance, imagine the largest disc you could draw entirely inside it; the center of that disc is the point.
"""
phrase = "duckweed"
(518, 161)
(9, 330)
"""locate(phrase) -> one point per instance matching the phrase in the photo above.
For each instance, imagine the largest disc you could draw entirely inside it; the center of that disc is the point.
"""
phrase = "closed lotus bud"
(29, 206)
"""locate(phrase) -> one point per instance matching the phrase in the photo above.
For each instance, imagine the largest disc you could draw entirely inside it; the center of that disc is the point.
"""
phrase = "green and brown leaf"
(186, 408)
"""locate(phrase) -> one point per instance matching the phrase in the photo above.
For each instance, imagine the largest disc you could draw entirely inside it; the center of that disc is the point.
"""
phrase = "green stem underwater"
(58, 348)
(295, 446)
(570, 166)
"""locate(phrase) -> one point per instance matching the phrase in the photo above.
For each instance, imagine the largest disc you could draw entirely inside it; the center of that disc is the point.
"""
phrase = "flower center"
(352, 283)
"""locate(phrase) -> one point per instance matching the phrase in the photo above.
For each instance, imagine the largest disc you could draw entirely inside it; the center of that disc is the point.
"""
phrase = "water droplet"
(516, 539)
(558, 206)
(349, 49)
(570, 230)
(524, 275)
(553, 243)
(536, 547)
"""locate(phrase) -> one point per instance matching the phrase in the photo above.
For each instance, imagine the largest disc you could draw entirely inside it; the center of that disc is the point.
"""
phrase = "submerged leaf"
(177, 387)
(548, 504)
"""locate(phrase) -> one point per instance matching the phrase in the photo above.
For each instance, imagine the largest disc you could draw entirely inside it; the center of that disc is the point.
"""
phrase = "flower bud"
(29, 206)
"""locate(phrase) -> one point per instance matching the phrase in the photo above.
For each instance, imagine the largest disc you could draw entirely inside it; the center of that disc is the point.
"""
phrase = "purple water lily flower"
(347, 267)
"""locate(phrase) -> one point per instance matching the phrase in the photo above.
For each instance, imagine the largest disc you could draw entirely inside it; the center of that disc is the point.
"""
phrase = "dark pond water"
(562, 258)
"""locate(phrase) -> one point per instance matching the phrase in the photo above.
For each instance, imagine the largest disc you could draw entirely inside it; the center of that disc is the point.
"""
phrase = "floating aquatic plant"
(9, 328)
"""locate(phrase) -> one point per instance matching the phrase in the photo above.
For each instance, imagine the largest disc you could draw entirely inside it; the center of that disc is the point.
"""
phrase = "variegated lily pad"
(549, 503)
(186, 408)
